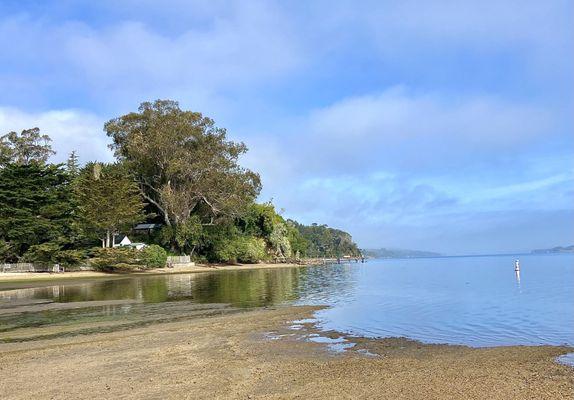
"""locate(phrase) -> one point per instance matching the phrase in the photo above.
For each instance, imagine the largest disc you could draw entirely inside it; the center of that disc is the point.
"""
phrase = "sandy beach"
(256, 355)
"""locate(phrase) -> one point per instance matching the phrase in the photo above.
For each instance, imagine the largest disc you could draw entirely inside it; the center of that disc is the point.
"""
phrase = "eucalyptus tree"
(26, 147)
(183, 163)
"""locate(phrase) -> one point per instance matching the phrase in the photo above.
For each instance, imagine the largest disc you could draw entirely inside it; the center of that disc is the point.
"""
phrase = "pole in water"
(517, 265)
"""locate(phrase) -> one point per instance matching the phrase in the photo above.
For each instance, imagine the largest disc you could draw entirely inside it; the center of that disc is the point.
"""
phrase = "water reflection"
(462, 300)
(246, 288)
(132, 301)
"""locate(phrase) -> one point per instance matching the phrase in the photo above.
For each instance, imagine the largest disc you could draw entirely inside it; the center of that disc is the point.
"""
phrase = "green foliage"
(326, 242)
(262, 221)
(279, 240)
(25, 148)
(69, 257)
(41, 253)
(35, 207)
(249, 249)
(186, 236)
(218, 243)
(6, 250)
(259, 220)
(245, 249)
(73, 164)
(153, 256)
(186, 170)
(299, 245)
(183, 163)
(125, 259)
(117, 259)
(108, 200)
(52, 253)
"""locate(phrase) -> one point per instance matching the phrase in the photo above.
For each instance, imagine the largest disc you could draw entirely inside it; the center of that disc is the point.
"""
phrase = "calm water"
(478, 301)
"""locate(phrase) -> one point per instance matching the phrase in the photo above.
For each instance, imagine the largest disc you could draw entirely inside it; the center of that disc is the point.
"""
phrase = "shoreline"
(268, 354)
(25, 278)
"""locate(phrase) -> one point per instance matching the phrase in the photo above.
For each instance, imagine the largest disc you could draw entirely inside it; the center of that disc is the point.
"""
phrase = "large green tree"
(108, 200)
(35, 208)
(183, 163)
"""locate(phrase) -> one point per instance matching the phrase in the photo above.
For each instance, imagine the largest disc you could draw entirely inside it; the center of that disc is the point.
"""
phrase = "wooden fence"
(174, 260)
(26, 267)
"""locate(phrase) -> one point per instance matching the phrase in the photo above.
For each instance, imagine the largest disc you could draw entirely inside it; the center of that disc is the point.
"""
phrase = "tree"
(73, 165)
(183, 163)
(25, 148)
(108, 200)
(323, 241)
(184, 237)
(35, 208)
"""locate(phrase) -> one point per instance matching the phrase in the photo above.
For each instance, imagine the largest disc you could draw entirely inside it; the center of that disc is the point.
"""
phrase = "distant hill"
(398, 253)
(558, 249)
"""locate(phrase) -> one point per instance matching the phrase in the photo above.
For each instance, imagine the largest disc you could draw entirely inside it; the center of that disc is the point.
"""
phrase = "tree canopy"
(27, 147)
(108, 200)
(183, 163)
(175, 169)
(35, 207)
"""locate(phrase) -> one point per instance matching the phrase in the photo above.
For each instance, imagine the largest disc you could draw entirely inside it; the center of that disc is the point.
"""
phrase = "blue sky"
(433, 125)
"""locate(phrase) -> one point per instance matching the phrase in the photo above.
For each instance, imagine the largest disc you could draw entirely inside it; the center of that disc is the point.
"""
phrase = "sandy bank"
(255, 355)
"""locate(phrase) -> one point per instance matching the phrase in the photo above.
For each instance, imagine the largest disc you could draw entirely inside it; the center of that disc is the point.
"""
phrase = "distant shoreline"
(472, 255)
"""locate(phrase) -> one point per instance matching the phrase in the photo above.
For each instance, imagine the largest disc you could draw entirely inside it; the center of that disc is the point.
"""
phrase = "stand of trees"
(173, 167)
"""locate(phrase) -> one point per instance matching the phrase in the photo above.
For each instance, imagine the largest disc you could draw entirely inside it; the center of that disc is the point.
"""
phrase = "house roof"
(146, 226)
(120, 238)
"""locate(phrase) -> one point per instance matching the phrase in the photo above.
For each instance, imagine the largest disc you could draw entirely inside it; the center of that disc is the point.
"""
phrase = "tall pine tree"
(108, 201)
(35, 207)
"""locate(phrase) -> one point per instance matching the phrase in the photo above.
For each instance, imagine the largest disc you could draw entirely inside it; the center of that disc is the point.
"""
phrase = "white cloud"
(127, 61)
(397, 130)
(69, 129)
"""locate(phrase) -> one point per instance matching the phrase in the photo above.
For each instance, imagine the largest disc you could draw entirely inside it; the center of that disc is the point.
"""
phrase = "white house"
(126, 242)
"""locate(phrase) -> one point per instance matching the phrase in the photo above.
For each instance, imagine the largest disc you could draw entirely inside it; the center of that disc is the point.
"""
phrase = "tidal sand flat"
(257, 354)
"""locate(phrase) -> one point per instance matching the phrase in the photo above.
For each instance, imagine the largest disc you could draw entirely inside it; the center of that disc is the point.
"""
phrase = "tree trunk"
(108, 239)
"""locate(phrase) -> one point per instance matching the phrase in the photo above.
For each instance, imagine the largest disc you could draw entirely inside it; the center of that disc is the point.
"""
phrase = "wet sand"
(257, 355)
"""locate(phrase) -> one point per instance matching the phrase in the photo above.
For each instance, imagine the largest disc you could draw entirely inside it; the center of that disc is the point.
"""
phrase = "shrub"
(118, 259)
(250, 249)
(42, 253)
(225, 251)
(244, 249)
(153, 256)
(68, 257)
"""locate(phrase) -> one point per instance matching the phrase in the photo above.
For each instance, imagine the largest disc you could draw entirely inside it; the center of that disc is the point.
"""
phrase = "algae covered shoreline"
(264, 354)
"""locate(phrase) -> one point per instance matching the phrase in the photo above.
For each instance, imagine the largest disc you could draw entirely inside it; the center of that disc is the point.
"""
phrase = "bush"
(41, 253)
(118, 259)
(243, 249)
(225, 251)
(51, 253)
(68, 257)
(250, 249)
(153, 256)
